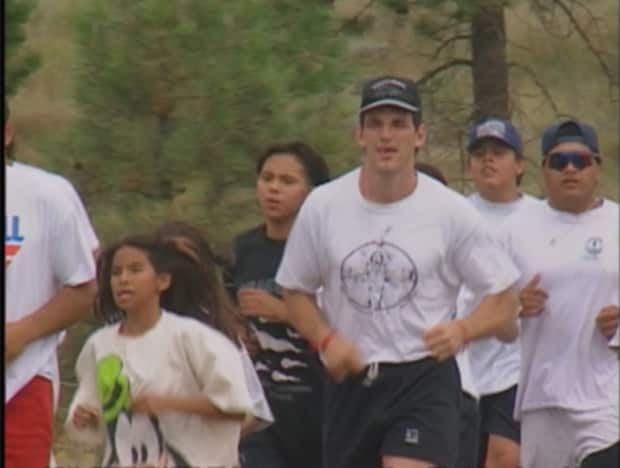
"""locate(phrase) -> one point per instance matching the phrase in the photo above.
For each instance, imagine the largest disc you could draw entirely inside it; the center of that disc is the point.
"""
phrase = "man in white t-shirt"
(50, 272)
(495, 164)
(567, 252)
(391, 249)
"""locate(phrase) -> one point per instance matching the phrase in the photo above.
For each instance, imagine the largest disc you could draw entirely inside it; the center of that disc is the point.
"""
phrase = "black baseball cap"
(390, 91)
(569, 131)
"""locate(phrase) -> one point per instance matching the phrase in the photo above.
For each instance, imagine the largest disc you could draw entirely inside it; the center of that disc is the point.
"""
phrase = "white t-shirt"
(260, 406)
(178, 357)
(467, 379)
(494, 364)
(390, 271)
(46, 248)
(565, 360)
(614, 342)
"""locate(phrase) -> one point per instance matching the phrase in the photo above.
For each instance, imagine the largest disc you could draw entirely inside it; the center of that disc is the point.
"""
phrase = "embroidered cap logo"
(492, 128)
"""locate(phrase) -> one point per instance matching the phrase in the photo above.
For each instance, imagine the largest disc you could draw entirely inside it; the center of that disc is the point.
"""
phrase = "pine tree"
(19, 62)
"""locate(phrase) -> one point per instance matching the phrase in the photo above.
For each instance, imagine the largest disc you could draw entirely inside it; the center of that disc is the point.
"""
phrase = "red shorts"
(28, 420)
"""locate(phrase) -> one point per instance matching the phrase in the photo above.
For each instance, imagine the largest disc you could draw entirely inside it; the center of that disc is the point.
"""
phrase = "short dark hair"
(7, 111)
(315, 167)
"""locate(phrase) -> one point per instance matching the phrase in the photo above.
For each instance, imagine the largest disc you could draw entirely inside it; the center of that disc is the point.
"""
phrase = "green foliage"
(19, 63)
(170, 93)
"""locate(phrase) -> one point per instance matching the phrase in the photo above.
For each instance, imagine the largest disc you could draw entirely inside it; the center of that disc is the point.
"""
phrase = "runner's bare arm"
(68, 306)
(303, 314)
(496, 315)
(339, 355)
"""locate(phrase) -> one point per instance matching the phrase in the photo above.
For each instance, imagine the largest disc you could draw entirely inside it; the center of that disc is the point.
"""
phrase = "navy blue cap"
(497, 129)
(390, 91)
(569, 131)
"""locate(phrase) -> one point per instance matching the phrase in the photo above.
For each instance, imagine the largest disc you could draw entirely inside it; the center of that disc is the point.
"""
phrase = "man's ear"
(163, 281)
(359, 135)
(520, 166)
(421, 135)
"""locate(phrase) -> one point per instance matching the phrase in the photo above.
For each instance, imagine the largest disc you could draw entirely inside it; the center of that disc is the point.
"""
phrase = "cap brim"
(390, 102)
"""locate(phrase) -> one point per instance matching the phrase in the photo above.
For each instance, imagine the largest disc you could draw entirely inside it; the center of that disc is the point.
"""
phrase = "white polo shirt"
(565, 360)
(494, 364)
(390, 271)
(46, 248)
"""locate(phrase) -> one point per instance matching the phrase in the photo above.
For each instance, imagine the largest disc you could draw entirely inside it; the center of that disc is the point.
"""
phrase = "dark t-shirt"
(290, 373)
(284, 360)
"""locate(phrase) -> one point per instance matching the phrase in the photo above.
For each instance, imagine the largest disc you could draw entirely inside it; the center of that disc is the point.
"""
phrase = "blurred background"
(158, 109)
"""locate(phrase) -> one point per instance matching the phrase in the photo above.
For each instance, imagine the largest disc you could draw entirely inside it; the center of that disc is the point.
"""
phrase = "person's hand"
(256, 302)
(148, 403)
(341, 358)
(445, 339)
(532, 298)
(607, 320)
(85, 417)
(16, 338)
(250, 340)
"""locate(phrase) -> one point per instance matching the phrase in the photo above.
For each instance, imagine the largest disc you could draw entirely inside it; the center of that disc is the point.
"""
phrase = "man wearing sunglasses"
(567, 252)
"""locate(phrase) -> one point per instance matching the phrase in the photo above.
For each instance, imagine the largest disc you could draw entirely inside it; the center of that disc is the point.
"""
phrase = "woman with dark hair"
(290, 373)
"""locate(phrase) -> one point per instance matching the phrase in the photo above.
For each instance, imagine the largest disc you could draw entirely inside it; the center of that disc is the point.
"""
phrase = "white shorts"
(553, 437)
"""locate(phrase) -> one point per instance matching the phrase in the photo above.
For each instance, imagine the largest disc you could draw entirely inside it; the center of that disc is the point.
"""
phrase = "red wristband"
(463, 331)
(322, 345)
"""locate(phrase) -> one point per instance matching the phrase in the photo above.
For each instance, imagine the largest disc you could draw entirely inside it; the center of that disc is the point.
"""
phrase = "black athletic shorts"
(407, 409)
(469, 433)
(496, 417)
(294, 439)
(605, 458)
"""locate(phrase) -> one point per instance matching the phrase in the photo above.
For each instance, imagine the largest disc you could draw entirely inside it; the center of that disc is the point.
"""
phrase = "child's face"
(135, 284)
(281, 187)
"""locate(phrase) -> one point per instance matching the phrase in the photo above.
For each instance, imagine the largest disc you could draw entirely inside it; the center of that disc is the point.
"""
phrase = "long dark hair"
(223, 315)
(191, 293)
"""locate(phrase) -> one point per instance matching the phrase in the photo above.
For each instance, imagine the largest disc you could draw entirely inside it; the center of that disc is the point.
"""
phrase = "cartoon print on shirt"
(378, 276)
(133, 439)
(13, 239)
(279, 360)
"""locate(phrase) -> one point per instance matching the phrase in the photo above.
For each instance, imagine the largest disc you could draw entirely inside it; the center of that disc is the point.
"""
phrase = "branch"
(442, 68)
(585, 39)
(355, 17)
(447, 42)
(539, 84)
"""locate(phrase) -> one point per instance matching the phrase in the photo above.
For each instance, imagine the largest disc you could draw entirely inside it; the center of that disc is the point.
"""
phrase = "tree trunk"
(163, 181)
(490, 70)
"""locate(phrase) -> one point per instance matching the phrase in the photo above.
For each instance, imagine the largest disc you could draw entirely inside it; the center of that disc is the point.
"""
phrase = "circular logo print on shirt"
(378, 276)
(594, 245)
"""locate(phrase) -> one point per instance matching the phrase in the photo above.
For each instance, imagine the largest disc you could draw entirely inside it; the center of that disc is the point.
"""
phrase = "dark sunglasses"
(559, 161)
